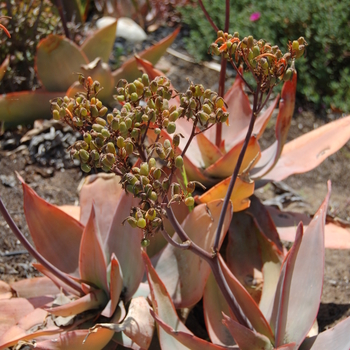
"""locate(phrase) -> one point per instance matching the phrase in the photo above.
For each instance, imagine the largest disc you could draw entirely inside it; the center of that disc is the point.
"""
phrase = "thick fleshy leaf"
(72, 210)
(58, 61)
(242, 190)
(104, 190)
(92, 259)
(121, 236)
(100, 43)
(34, 287)
(225, 166)
(308, 151)
(297, 300)
(55, 234)
(243, 253)
(33, 324)
(94, 300)
(26, 106)
(5, 291)
(190, 341)
(164, 310)
(336, 337)
(129, 69)
(3, 66)
(121, 339)
(270, 156)
(115, 286)
(336, 236)
(75, 340)
(214, 305)
(247, 303)
(246, 338)
(183, 272)
(101, 72)
(210, 152)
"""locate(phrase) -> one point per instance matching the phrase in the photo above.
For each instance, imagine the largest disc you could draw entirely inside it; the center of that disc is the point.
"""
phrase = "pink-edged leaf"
(210, 152)
(55, 234)
(308, 151)
(242, 190)
(225, 165)
(214, 305)
(184, 273)
(75, 340)
(336, 337)
(163, 307)
(12, 310)
(263, 218)
(121, 339)
(169, 322)
(115, 287)
(26, 106)
(25, 328)
(92, 259)
(188, 340)
(336, 236)
(121, 236)
(94, 300)
(55, 71)
(100, 43)
(58, 283)
(34, 287)
(243, 253)
(289, 346)
(100, 71)
(139, 324)
(246, 338)
(297, 300)
(129, 69)
(270, 156)
(104, 190)
(247, 303)
(5, 291)
(3, 66)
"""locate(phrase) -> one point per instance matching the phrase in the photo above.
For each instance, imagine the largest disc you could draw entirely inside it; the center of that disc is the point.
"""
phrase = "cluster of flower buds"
(266, 62)
(203, 106)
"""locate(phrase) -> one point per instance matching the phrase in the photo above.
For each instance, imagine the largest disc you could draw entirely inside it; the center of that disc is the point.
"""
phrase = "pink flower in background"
(255, 16)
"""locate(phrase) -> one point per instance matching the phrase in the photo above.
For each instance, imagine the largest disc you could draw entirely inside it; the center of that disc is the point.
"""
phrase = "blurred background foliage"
(324, 73)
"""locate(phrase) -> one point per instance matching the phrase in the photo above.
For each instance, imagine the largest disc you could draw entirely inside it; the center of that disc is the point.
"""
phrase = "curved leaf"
(105, 191)
(297, 300)
(308, 151)
(210, 152)
(214, 305)
(129, 69)
(57, 62)
(100, 43)
(270, 156)
(5, 291)
(26, 106)
(245, 338)
(92, 259)
(56, 235)
(184, 273)
(121, 236)
(225, 166)
(242, 190)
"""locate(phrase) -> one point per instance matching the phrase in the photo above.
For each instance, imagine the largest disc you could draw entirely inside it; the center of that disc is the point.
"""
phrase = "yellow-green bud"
(84, 155)
(157, 173)
(189, 202)
(206, 108)
(145, 242)
(56, 114)
(179, 162)
(97, 127)
(122, 127)
(132, 222)
(153, 196)
(115, 124)
(152, 162)
(144, 169)
(120, 142)
(110, 147)
(141, 223)
(151, 214)
(171, 128)
(105, 133)
(100, 121)
(102, 111)
(203, 117)
(87, 137)
(86, 168)
(167, 143)
(145, 79)
(288, 74)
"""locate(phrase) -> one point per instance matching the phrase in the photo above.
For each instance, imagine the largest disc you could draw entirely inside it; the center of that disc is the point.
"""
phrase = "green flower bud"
(203, 117)
(84, 155)
(151, 214)
(128, 123)
(135, 133)
(100, 121)
(157, 173)
(179, 162)
(152, 162)
(295, 45)
(86, 168)
(141, 223)
(171, 128)
(122, 127)
(144, 169)
(99, 141)
(94, 155)
(105, 133)
(120, 98)
(145, 79)
(120, 142)
(103, 111)
(134, 97)
(288, 74)
(109, 118)
(110, 148)
(157, 131)
(87, 137)
(145, 242)
(83, 112)
(115, 124)
(165, 184)
(167, 143)
(132, 222)
(145, 118)
(56, 114)
(189, 201)
(97, 127)
(206, 108)
(153, 196)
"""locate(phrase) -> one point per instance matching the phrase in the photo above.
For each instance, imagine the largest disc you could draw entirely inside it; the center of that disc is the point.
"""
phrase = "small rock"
(8, 180)
(126, 28)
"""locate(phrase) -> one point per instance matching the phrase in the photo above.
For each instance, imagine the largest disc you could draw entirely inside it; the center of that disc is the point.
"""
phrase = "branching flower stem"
(208, 16)
(236, 171)
(56, 272)
(213, 262)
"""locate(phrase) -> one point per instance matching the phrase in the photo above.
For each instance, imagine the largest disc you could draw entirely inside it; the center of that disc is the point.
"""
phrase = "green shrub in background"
(324, 74)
